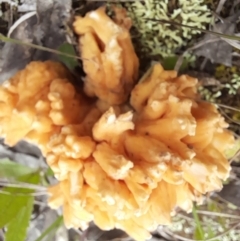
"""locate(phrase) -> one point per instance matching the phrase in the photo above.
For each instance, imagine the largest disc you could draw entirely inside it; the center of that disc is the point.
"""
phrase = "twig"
(34, 194)
(233, 43)
(42, 204)
(220, 6)
(121, 239)
(229, 118)
(185, 217)
(19, 21)
(15, 41)
(163, 233)
(22, 185)
(78, 231)
(235, 156)
(203, 64)
(226, 106)
(218, 214)
(224, 200)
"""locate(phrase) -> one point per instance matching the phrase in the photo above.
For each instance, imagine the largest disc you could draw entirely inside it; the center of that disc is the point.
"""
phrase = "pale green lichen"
(229, 86)
(164, 39)
(229, 78)
(234, 85)
(208, 94)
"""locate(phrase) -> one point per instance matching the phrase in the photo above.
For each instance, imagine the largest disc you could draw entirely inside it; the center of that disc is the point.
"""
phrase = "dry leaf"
(44, 29)
(219, 51)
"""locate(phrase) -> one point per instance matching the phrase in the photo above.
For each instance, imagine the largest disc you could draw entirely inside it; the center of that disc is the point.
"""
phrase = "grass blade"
(199, 232)
(53, 227)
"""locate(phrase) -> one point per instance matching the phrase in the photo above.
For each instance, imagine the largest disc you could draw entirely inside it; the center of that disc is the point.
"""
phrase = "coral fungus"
(122, 164)
(128, 170)
(113, 70)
